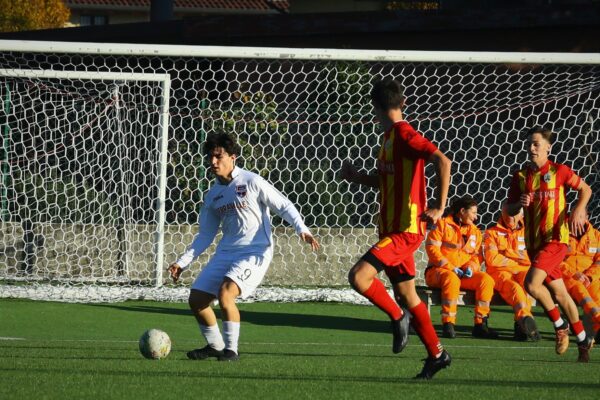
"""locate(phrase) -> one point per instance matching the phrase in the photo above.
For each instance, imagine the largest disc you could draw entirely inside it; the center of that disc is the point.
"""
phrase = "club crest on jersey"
(241, 190)
(547, 177)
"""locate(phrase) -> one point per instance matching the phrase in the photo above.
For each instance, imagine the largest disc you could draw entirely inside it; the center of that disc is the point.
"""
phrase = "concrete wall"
(95, 252)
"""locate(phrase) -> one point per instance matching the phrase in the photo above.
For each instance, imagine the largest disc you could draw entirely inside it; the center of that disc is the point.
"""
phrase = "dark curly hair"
(387, 94)
(224, 140)
(465, 202)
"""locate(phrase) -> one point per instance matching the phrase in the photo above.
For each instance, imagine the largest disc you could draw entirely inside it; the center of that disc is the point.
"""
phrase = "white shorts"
(247, 269)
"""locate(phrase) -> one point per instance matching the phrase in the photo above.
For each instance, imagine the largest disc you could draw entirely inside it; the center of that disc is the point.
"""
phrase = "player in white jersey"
(238, 202)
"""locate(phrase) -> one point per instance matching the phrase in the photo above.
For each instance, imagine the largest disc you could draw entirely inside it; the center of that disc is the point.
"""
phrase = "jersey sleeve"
(280, 205)
(416, 146)
(208, 225)
(568, 176)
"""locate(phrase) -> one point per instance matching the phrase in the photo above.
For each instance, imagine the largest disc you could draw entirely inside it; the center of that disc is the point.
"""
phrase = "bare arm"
(351, 174)
(578, 217)
(524, 201)
(513, 209)
(443, 166)
(516, 198)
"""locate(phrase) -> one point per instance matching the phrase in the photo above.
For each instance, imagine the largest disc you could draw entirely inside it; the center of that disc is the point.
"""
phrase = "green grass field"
(306, 350)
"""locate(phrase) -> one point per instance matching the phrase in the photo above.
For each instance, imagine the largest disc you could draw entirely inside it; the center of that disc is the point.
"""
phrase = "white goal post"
(49, 108)
(102, 177)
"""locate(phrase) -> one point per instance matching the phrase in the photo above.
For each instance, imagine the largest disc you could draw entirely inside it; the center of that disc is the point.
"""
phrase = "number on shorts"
(245, 275)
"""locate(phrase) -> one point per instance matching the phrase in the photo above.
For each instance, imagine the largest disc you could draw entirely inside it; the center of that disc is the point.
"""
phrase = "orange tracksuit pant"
(450, 285)
(510, 287)
(507, 262)
(584, 258)
(588, 298)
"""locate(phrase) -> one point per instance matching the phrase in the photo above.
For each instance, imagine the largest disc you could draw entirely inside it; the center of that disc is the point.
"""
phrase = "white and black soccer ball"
(155, 344)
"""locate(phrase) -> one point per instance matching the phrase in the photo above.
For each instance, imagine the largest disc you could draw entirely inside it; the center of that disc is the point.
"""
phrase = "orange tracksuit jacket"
(451, 245)
(507, 262)
(584, 257)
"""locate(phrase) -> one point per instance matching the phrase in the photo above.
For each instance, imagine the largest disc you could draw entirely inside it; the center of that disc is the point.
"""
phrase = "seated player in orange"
(581, 273)
(507, 262)
(453, 248)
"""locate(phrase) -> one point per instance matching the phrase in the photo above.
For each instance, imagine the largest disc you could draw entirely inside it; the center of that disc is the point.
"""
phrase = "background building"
(454, 25)
(95, 12)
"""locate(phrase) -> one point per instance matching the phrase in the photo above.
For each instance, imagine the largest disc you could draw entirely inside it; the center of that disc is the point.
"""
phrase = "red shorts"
(394, 254)
(548, 259)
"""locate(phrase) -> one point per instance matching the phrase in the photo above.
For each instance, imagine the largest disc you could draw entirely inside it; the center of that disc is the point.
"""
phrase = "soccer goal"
(83, 159)
(102, 175)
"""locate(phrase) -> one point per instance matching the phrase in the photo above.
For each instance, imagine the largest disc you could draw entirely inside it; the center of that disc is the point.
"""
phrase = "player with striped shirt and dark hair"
(539, 189)
(400, 178)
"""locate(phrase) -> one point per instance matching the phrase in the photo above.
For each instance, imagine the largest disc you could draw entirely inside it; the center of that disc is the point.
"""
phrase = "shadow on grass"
(265, 318)
(313, 321)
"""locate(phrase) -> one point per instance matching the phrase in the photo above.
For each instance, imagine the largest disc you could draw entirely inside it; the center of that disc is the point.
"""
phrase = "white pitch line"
(290, 343)
(410, 345)
(11, 338)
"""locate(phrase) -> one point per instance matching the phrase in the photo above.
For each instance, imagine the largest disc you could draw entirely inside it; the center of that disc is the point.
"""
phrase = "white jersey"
(241, 209)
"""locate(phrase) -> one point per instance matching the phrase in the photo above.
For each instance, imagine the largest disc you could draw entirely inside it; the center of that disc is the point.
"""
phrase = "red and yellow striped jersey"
(546, 215)
(401, 168)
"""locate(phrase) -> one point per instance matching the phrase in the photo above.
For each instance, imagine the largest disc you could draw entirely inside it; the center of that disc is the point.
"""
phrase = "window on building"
(87, 20)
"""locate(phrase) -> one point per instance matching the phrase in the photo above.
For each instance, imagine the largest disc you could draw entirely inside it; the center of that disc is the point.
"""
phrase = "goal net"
(81, 166)
(93, 209)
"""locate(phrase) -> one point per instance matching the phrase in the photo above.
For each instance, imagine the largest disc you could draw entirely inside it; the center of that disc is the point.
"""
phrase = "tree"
(32, 14)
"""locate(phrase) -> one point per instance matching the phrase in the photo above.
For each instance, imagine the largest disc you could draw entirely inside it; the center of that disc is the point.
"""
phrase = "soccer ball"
(155, 344)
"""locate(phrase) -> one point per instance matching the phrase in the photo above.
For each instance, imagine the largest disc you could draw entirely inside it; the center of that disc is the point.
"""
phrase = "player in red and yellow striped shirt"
(400, 178)
(401, 167)
(539, 189)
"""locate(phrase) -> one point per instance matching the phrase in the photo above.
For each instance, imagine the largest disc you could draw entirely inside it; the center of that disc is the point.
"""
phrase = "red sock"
(421, 322)
(577, 328)
(554, 316)
(377, 295)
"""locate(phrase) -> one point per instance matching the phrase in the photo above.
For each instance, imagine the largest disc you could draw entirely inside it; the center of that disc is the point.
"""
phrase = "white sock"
(231, 334)
(559, 322)
(581, 337)
(213, 336)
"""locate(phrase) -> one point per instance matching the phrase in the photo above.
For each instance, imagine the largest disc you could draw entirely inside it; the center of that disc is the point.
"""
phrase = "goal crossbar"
(299, 54)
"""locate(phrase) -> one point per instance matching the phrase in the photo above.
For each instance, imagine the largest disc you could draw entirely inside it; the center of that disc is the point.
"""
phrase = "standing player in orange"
(581, 273)
(539, 189)
(507, 262)
(453, 248)
(403, 217)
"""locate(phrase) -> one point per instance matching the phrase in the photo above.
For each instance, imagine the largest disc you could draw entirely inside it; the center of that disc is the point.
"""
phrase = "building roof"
(539, 29)
(180, 5)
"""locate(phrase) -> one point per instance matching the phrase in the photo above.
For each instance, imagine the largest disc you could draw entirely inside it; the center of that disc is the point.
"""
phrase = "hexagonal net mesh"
(81, 157)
